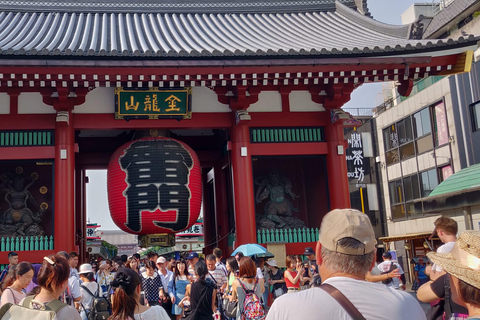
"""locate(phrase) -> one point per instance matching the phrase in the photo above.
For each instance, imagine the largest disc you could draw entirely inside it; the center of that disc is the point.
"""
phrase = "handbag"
(278, 292)
(231, 309)
(436, 310)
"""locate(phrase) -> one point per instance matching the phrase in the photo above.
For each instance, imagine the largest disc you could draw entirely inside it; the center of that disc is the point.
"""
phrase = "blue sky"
(366, 96)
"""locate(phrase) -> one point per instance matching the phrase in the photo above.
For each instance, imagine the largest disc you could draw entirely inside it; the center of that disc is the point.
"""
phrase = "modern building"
(429, 136)
(265, 83)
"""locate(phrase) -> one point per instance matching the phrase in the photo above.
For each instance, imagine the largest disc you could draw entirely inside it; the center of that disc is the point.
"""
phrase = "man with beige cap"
(345, 252)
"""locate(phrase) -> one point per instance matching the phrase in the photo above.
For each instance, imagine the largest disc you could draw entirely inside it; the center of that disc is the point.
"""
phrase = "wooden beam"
(16, 153)
(288, 149)
(198, 121)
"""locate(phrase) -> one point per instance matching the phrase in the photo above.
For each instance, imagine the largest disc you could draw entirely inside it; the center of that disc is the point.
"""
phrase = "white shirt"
(444, 248)
(385, 267)
(165, 281)
(218, 276)
(87, 299)
(154, 313)
(222, 267)
(373, 300)
(259, 273)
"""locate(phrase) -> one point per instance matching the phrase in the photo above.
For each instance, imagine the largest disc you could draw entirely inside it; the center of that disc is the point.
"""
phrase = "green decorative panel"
(287, 235)
(26, 243)
(29, 138)
(287, 135)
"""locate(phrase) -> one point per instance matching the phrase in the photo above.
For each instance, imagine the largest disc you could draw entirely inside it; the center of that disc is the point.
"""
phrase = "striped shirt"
(218, 276)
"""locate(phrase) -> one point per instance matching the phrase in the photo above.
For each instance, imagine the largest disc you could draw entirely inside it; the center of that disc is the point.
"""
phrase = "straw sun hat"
(463, 261)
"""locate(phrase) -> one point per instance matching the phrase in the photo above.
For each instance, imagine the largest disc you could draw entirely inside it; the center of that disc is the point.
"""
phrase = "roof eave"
(448, 201)
(406, 56)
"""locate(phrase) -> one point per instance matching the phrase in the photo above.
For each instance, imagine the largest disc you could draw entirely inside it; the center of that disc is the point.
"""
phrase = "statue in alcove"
(19, 219)
(279, 210)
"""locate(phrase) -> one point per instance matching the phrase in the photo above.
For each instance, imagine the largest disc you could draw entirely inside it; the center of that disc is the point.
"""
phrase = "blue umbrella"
(249, 249)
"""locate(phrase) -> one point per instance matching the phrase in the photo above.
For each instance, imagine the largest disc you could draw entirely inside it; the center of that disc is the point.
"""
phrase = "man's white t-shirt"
(447, 247)
(385, 267)
(373, 300)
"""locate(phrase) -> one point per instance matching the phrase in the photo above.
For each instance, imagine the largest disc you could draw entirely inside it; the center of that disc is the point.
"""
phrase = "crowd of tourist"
(329, 284)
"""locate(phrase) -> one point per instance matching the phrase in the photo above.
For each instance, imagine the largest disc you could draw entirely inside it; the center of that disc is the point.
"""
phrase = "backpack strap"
(27, 300)
(447, 306)
(56, 305)
(243, 286)
(88, 291)
(5, 308)
(343, 301)
(13, 295)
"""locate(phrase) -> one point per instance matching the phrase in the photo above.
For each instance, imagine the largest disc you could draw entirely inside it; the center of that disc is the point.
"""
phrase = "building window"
(395, 189)
(422, 123)
(405, 137)
(429, 181)
(390, 139)
(476, 115)
(412, 187)
(423, 131)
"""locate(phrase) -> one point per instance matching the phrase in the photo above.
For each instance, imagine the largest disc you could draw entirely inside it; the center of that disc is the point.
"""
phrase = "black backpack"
(100, 306)
(392, 267)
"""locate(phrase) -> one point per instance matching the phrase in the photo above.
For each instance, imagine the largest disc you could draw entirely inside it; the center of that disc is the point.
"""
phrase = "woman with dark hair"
(202, 296)
(36, 269)
(151, 283)
(232, 268)
(105, 275)
(247, 278)
(53, 280)
(132, 263)
(293, 274)
(276, 279)
(126, 299)
(23, 275)
(179, 286)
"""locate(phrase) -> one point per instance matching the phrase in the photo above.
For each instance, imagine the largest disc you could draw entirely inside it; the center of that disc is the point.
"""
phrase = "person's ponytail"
(123, 306)
(125, 299)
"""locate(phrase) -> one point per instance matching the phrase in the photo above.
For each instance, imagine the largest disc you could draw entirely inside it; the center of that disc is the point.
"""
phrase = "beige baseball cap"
(347, 223)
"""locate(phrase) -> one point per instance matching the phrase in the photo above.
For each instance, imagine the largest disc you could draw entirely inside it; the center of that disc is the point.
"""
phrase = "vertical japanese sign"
(355, 165)
(153, 103)
(441, 124)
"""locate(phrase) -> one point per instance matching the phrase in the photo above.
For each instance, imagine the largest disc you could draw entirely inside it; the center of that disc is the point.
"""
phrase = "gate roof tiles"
(166, 29)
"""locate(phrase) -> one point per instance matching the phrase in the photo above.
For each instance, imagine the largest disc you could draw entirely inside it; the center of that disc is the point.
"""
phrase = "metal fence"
(26, 243)
(359, 112)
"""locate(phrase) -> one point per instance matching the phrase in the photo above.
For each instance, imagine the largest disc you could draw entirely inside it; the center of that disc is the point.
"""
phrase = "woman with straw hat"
(463, 266)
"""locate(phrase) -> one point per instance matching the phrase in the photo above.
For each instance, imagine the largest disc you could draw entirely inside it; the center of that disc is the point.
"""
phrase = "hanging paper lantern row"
(154, 186)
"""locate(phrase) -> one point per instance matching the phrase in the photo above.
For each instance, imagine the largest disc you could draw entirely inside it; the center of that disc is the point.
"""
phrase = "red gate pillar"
(221, 208)
(64, 184)
(243, 185)
(337, 166)
(64, 219)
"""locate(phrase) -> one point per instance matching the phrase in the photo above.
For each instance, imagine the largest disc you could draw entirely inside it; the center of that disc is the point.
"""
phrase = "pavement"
(425, 306)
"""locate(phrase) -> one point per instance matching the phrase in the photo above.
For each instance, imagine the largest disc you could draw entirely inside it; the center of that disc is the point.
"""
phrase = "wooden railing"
(27, 243)
(287, 235)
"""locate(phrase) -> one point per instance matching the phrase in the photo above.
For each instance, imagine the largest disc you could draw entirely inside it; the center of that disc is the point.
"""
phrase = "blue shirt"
(421, 271)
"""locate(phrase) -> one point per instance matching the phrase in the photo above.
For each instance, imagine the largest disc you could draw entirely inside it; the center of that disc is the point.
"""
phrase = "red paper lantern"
(154, 186)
